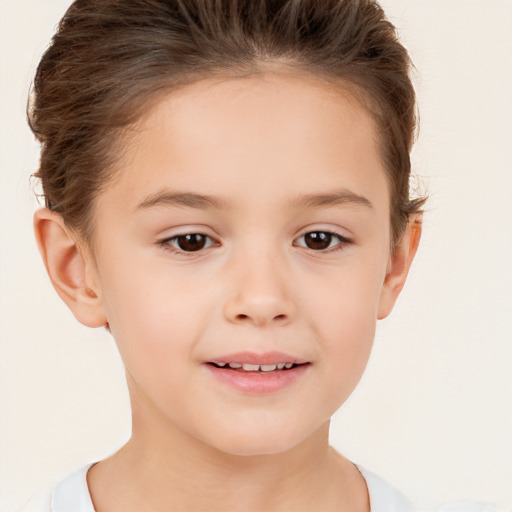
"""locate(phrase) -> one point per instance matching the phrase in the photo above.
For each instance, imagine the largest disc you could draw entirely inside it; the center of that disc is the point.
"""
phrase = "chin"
(253, 448)
(258, 439)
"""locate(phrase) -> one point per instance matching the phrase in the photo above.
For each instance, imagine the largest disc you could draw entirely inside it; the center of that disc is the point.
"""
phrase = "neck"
(164, 468)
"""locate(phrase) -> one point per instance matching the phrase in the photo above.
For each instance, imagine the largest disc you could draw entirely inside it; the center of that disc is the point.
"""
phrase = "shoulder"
(383, 496)
(72, 493)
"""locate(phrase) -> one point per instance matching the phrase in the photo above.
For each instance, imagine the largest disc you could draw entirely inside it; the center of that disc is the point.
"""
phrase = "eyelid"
(165, 242)
(343, 240)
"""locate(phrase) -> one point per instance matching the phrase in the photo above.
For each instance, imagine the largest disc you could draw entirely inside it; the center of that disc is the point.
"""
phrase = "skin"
(261, 147)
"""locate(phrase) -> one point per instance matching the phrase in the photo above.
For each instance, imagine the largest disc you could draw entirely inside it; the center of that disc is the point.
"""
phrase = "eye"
(190, 242)
(321, 240)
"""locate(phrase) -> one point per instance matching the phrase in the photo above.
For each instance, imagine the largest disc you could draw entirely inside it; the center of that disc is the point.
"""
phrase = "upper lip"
(264, 358)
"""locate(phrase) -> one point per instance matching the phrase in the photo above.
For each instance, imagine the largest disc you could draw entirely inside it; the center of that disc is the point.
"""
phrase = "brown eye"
(322, 240)
(318, 240)
(191, 242)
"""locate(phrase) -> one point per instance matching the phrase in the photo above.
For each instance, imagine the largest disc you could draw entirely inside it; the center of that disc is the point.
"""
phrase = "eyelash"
(166, 243)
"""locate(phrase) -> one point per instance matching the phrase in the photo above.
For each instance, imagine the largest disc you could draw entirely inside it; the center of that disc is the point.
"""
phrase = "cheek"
(343, 315)
(346, 297)
(150, 315)
(155, 335)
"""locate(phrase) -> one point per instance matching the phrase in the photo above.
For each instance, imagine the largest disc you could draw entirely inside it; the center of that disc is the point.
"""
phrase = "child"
(227, 192)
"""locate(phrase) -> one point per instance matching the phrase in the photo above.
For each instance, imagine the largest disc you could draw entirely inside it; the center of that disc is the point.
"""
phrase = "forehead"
(254, 138)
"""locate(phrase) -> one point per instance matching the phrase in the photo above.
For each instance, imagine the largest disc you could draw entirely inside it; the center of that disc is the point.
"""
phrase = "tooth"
(251, 367)
(280, 366)
(288, 365)
(235, 365)
(221, 364)
(268, 367)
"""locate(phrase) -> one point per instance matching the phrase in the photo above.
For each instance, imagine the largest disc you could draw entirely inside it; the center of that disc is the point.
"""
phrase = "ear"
(72, 275)
(399, 265)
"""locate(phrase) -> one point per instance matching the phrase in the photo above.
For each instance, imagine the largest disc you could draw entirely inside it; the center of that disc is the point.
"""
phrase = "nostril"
(245, 317)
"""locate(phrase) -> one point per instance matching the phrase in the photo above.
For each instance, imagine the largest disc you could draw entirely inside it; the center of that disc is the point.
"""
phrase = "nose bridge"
(260, 293)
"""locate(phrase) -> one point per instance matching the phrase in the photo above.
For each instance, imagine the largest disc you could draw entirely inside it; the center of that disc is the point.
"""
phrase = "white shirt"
(72, 495)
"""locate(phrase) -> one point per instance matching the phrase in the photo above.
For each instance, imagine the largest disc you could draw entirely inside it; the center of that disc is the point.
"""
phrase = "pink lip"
(258, 383)
(254, 358)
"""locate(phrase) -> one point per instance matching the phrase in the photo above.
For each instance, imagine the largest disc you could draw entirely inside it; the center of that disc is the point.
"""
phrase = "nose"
(260, 292)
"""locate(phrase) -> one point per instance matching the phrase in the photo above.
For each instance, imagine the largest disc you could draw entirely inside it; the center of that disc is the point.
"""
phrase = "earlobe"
(69, 272)
(399, 265)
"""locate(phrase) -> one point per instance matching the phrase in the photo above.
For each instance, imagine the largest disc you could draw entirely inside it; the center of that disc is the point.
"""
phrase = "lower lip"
(258, 383)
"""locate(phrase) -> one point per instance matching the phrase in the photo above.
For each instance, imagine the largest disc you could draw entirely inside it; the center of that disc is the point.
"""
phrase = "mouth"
(257, 374)
(256, 368)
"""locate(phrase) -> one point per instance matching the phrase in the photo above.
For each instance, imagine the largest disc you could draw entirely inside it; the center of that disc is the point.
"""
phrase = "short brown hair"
(109, 58)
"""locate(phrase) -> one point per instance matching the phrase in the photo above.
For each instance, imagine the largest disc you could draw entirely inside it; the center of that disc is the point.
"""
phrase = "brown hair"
(109, 58)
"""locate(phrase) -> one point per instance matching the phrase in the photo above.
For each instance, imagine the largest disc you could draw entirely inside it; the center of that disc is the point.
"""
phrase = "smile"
(248, 367)
(258, 374)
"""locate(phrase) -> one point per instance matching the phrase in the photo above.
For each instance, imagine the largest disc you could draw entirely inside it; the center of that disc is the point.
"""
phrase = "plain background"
(433, 413)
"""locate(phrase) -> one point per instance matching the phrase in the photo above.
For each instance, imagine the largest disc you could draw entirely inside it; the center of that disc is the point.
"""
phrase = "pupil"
(193, 242)
(318, 240)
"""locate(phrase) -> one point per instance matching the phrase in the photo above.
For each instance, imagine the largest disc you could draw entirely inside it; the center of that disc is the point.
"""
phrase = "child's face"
(289, 267)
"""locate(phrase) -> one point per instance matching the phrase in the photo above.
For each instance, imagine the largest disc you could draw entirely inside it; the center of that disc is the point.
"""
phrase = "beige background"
(433, 413)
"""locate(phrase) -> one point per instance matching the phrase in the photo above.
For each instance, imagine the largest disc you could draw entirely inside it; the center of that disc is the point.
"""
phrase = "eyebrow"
(188, 199)
(337, 198)
(205, 202)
